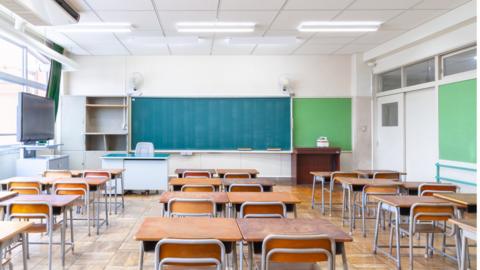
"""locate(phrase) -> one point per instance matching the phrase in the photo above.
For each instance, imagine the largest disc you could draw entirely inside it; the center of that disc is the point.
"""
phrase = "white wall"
(8, 160)
(311, 76)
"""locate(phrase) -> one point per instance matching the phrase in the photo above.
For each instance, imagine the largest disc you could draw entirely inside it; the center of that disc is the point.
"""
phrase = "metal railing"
(439, 178)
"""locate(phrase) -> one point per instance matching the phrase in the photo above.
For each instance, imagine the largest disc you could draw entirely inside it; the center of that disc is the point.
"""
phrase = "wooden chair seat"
(422, 228)
(295, 266)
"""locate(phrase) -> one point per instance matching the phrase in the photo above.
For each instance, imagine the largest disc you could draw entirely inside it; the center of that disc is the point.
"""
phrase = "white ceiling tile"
(290, 19)
(367, 15)
(275, 49)
(411, 19)
(251, 4)
(136, 49)
(331, 40)
(99, 43)
(204, 47)
(440, 4)
(295, 33)
(378, 37)
(169, 19)
(314, 48)
(130, 5)
(139, 19)
(221, 47)
(355, 48)
(64, 41)
(383, 4)
(186, 4)
(317, 4)
(78, 5)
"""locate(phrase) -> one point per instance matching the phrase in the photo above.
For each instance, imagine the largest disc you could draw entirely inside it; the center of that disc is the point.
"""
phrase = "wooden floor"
(115, 248)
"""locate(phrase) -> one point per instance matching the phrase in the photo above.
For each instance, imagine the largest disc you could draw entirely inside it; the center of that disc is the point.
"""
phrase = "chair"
(144, 149)
(196, 174)
(35, 210)
(245, 188)
(386, 176)
(429, 189)
(187, 253)
(112, 190)
(182, 207)
(370, 190)
(237, 175)
(423, 219)
(298, 249)
(198, 188)
(75, 187)
(333, 176)
(25, 188)
(57, 174)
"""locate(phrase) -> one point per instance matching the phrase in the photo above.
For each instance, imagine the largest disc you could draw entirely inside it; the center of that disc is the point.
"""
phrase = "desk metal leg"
(350, 206)
(397, 233)
(322, 179)
(140, 257)
(234, 256)
(250, 256)
(313, 191)
(377, 221)
(71, 229)
(458, 244)
(24, 250)
(344, 257)
(330, 193)
(295, 211)
(106, 207)
(1, 258)
(62, 235)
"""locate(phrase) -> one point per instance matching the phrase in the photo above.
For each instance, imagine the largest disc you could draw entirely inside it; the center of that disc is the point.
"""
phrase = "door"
(421, 134)
(389, 146)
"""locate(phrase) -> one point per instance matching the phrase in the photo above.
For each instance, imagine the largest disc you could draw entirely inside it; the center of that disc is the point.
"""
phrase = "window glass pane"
(11, 57)
(8, 106)
(38, 92)
(390, 114)
(420, 72)
(460, 62)
(390, 80)
(37, 69)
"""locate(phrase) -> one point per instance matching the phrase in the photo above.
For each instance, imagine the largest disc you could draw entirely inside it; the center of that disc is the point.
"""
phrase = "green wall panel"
(315, 117)
(458, 121)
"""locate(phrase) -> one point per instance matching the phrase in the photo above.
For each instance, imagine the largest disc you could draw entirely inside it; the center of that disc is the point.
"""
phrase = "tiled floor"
(115, 248)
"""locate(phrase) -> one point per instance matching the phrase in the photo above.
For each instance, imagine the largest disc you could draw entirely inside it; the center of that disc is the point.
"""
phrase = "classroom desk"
(141, 172)
(180, 172)
(266, 183)
(115, 172)
(221, 172)
(5, 195)
(412, 187)
(154, 229)
(60, 204)
(254, 230)
(219, 198)
(237, 198)
(464, 229)
(176, 184)
(321, 177)
(399, 206)
(370, 173)
(469, 200)
(10, 233)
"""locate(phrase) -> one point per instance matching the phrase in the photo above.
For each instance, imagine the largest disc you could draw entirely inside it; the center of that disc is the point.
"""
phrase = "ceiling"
(157, 18)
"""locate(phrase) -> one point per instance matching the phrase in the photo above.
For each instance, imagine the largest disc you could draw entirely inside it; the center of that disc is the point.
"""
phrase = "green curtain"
(53, 88)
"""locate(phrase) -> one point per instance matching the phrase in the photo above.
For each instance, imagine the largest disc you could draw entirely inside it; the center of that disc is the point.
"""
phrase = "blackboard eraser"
(274, 149)
(244, 149)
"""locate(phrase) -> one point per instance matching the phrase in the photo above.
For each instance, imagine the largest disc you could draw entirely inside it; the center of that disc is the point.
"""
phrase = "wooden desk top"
(113, 172)
(321, 174)
(5, 195)
(217, 197)
(261, 181)
(195, 181)
(406, 201)
(241, 197)
(157, 228)
(92, 181)
(9, 229)
(256, 229)
(366, 181)
(181, 171)
(465, 224)
(414, 185)
(54, 200)
(461, 198)
(249, 171)
(370, 173)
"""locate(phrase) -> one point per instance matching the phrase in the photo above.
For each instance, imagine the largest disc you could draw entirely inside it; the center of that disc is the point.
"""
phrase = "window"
(462, 61)
(20, 71)
(390, 114)
(418, 73)
(390, 80)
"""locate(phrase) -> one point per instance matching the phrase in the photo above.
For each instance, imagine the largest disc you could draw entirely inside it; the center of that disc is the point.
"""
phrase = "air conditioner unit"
(43, 12)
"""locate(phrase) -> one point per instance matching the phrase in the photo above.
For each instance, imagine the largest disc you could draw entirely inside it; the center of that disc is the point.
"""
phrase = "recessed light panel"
(339, 26)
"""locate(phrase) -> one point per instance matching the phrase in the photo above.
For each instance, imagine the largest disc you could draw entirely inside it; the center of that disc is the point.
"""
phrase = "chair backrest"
(429, 189)
(298, 249)
(71, 187)
(343, 174)
(380, 190)
(144, 149)
(183, 207)
(195, 174)
(93, 174)
(198, 188)
(386, 175)
(237, 175)
(189, 252)
(245, 188)
(431, 212)
(57, 174)
(25, 188)
(263, 210)
(29, 210)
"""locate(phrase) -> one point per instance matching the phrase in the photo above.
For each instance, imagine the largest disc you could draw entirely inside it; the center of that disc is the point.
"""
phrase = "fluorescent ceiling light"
(339, 26)
(95, 28)
(215, 27)
(279, 40)
(153, 41)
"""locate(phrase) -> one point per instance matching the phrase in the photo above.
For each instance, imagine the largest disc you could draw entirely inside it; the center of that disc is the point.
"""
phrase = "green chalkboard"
(315, 117)
(212, 123)
(457, 115)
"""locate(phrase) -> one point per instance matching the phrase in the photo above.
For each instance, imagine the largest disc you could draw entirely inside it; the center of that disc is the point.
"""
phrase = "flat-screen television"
(35, 118)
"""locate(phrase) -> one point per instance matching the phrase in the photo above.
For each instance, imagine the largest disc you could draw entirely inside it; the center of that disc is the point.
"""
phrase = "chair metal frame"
(332, 186)
(18, 189)
(185, 174)
(232, 175)
(266, 255)
(186, 200)
(232, 186)
(422, 192)
(386, 173)
(365, 202)
(197, 186)
(165, 261)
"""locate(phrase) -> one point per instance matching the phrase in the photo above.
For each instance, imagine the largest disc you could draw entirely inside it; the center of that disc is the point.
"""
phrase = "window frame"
(452, 53)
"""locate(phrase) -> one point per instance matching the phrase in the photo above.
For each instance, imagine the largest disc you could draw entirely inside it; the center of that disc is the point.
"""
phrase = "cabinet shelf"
(112, 106)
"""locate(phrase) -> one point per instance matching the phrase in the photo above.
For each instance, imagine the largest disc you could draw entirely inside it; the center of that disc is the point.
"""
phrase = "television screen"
(35, 119)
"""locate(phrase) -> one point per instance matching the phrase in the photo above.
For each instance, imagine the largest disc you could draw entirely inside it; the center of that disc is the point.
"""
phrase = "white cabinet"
(36, 166)
(73, 123)
(76, 159)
